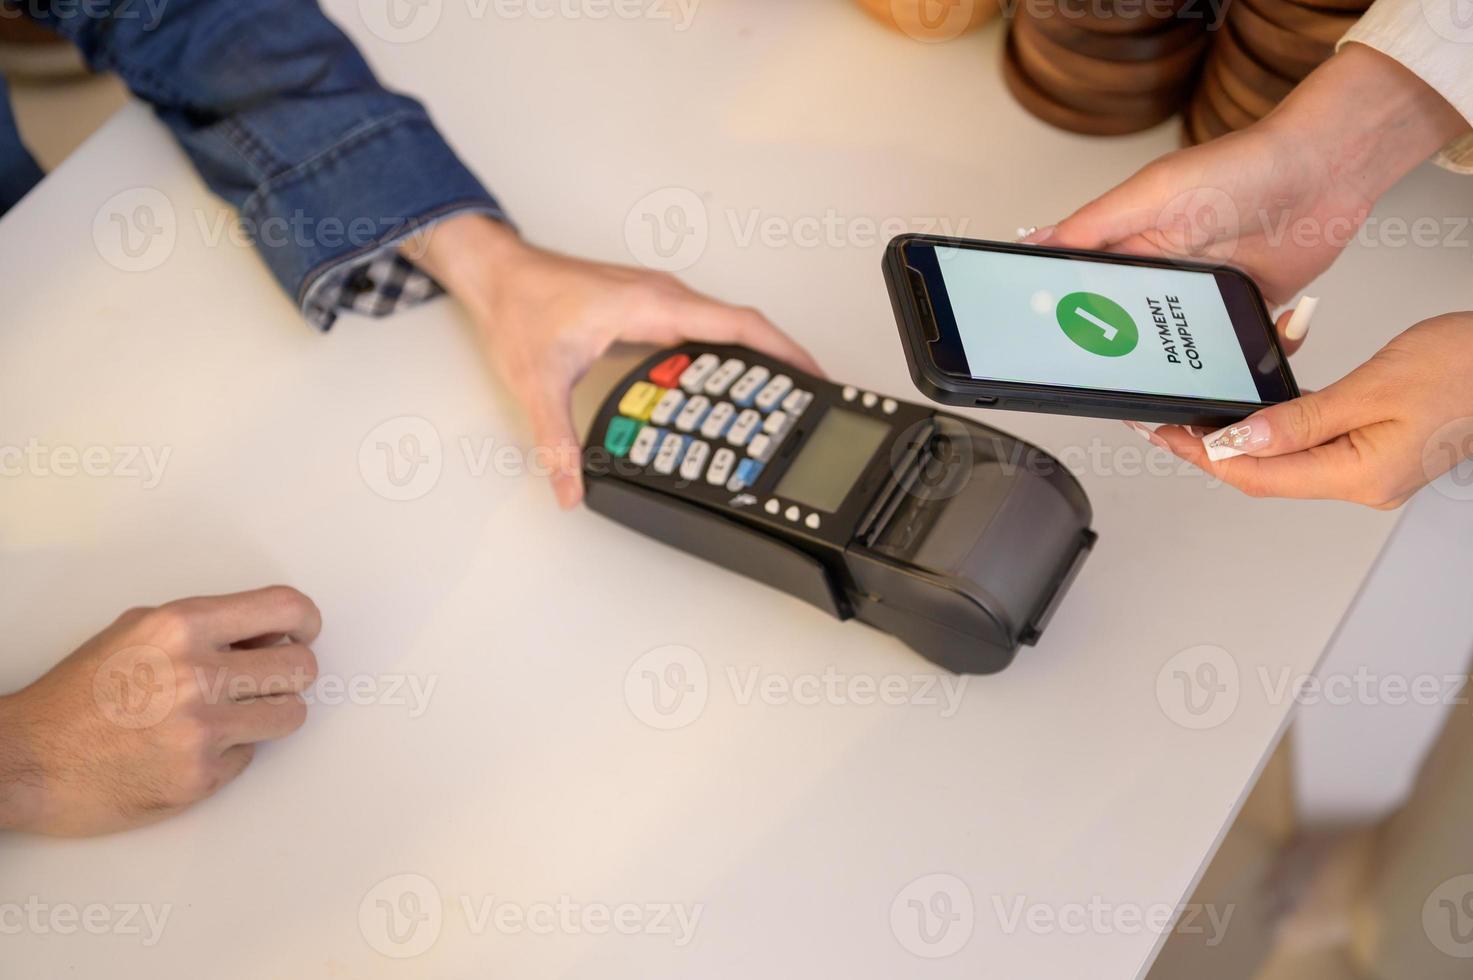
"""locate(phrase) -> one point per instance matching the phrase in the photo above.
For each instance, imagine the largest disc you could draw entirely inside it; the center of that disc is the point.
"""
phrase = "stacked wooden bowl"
(1105, 67)
(1263, 50)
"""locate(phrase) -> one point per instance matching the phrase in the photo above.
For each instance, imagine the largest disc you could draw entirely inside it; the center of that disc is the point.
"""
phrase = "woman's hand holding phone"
(1375, 437)
(1281, 200)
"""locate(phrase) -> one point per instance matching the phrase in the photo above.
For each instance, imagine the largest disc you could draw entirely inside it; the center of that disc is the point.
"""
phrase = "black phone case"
(950, 389)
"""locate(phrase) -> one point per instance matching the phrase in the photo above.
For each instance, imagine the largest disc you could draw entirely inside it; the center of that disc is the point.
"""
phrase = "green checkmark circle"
(1098, 324)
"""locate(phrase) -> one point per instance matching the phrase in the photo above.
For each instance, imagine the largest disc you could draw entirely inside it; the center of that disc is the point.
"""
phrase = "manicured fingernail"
(1036, 236)
(1298, 324)
(1236, 440)
(565, 486)
(1197, 431)
(1145, 433)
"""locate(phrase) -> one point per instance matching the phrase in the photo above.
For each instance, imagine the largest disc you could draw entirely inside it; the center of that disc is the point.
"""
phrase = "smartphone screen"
(1099, 324)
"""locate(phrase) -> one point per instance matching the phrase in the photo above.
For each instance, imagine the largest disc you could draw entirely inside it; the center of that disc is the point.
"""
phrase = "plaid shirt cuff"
(379, 283)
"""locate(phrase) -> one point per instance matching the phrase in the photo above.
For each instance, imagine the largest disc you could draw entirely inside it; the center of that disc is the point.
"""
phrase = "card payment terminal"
(956, 538)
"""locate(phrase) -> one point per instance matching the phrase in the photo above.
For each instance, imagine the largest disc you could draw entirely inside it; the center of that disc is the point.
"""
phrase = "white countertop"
(526, 775)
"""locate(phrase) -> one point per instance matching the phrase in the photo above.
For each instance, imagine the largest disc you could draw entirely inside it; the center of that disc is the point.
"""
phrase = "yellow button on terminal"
(640, 400)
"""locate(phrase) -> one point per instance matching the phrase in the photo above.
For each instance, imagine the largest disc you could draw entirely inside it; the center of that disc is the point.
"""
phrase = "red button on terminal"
(667, 373)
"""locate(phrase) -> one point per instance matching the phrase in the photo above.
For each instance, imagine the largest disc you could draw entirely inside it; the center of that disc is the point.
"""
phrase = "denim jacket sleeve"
(284, 119)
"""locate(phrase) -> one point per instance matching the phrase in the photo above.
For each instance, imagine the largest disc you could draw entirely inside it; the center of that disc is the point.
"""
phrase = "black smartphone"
(1070, 332)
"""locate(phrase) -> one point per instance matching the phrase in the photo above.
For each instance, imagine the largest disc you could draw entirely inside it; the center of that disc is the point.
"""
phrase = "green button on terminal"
(621, 436)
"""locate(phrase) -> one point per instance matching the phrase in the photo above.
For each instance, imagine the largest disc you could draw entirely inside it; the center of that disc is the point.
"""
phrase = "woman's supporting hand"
(1375, 437)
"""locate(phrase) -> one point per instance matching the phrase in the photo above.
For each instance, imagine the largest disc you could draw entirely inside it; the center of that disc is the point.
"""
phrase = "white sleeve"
(1433, 39)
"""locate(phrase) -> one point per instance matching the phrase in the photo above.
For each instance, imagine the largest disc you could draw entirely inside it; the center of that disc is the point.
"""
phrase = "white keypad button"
(870, 399)
(776, 424)
(792, 514)
(644, 446)
(719, 420)
(746, 388)
(889, 405)
(813, 521)
(672, 451)
(668, 406)
(742, 429)
(770, 396)
(693, 414)
(760, 448)
(694, 377)
(695, 460)
(722, 378)
(797, 402)
(850, 393)
(721, 466)
(773, 506)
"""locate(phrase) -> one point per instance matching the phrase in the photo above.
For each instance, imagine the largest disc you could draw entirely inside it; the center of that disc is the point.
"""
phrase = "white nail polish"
(1298, 324)
(1218, 453)
(1025, 232)
(1239, 439)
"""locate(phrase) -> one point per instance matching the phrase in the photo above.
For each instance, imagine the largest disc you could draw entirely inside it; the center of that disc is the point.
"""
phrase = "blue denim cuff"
(339, 216)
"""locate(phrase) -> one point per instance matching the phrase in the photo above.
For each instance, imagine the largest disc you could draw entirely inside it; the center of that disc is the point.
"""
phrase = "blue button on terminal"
(748, 470)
